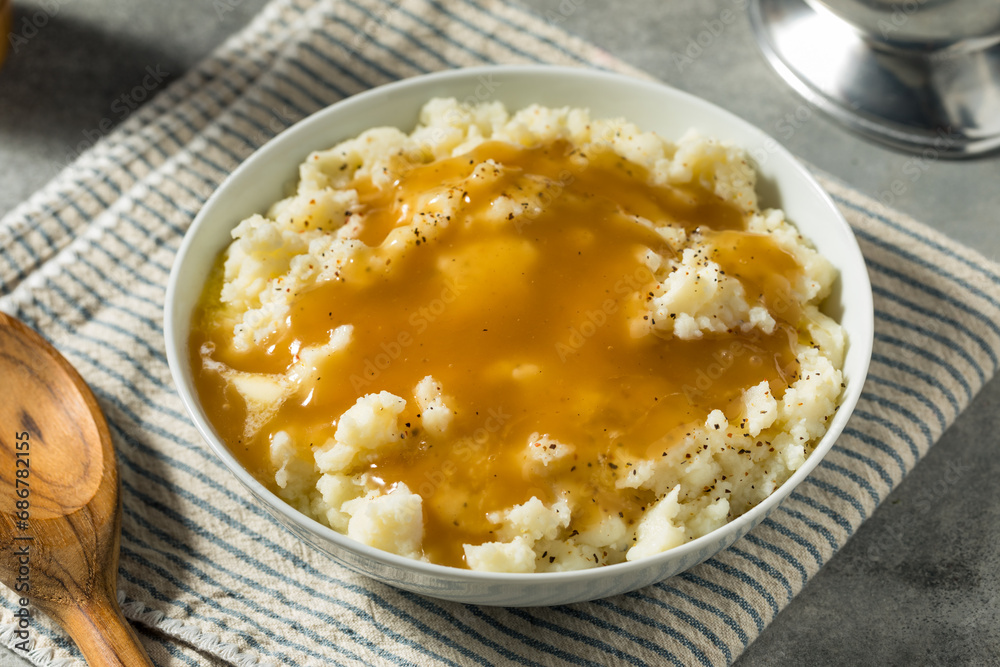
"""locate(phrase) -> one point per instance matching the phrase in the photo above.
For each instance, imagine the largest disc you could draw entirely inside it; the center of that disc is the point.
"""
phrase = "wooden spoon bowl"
(60, 502)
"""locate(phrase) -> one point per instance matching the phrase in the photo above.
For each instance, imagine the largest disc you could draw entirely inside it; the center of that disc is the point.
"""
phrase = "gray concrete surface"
(919, 584)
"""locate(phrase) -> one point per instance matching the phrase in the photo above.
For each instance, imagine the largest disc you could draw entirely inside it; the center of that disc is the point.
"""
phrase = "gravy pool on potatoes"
(506, 299)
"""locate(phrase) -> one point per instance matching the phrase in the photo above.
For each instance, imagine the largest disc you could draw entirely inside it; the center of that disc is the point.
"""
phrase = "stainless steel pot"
(922, 75)
(921, 24)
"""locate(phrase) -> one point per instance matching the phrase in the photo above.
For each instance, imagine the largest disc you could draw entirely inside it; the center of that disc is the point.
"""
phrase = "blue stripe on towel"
(746, 579)
(891, 427)
(535, 619)
(724, 592)
(827, 535)
(900, 410)
(930, 356)
(773, 523)
(854, 477)
(931, 314)
(357, 55)
(244, 557)
(405, 34)
(927, 378)
(835, 516)
(943, 340)
(189, 610)
(866, 439)
(911, 280)
(835, 490)
(871, 463)
(926, 241)
(912, 393)
(628, 613)
(730, 622)
(426, 604)
(684, 616)
(530, 642)
(520, 28)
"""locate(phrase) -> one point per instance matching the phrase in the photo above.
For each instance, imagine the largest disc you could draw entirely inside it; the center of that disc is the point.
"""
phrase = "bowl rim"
(861, 302)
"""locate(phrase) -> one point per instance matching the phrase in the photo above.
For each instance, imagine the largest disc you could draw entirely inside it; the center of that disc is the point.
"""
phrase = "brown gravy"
(552, 297)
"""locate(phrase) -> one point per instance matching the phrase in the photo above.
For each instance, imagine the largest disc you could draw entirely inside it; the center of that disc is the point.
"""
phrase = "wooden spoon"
(54, 431)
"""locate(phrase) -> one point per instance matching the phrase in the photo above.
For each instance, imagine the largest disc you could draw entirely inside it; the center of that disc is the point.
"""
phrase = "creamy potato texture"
(520, 342)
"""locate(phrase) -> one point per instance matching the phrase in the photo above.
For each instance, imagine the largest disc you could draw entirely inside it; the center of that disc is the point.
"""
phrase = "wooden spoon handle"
(101, 632)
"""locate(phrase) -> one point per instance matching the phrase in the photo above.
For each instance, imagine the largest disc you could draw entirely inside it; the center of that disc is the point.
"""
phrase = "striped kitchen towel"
(208, 577)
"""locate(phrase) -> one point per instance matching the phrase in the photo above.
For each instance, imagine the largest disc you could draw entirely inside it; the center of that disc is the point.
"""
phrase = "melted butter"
(527, 328)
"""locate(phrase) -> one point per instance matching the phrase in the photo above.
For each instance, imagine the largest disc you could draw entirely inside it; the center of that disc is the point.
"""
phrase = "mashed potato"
(520, 342)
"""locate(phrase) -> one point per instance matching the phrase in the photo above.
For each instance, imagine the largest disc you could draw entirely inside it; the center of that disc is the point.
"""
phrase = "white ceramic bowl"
(262, 180)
